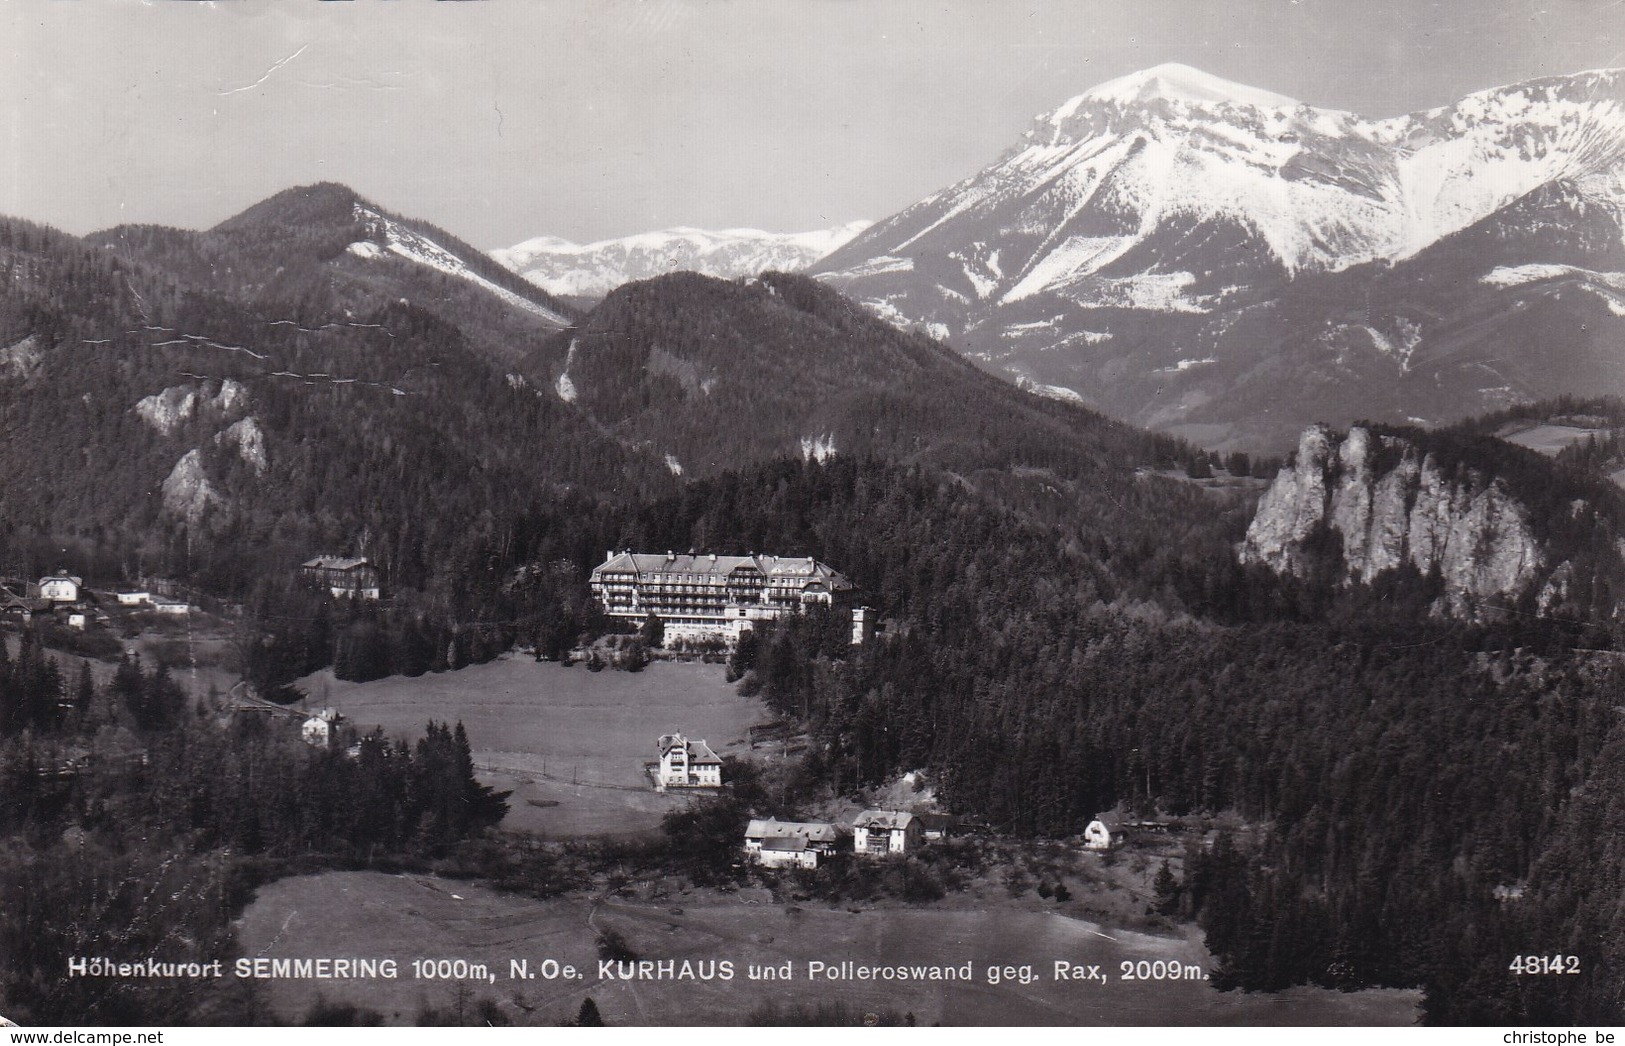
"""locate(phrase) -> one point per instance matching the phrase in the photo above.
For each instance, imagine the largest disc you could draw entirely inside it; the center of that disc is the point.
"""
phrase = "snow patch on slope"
(1053, 392)
(1517, 275)
(416, 247)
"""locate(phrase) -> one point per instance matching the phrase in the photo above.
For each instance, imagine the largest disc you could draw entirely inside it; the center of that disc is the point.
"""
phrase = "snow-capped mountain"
(1120, 246)
(561, 267)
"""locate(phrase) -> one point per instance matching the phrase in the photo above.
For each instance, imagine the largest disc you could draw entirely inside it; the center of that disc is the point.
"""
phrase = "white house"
(686, 764)
(133, 599)
(320, 729)
(878, 832)
(171, 606)
(317, 731)
(1102, 835)
(791, 844)
(60, 587)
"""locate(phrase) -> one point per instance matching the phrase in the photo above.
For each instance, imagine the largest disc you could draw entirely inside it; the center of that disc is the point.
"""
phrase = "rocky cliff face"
(1391, 504)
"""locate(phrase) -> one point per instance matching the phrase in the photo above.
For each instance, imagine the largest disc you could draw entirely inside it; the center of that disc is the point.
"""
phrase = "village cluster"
(696, 596)
(63, 598)
(686, 764)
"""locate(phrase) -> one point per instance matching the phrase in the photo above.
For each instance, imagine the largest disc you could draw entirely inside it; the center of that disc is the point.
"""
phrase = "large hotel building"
(701, 596)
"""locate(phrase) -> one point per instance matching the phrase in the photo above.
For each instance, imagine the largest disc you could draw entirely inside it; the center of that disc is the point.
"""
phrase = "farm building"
(133, 599)
(343, 576)
(686, 764)
(791, 844)
(171, 606)
(708, 596)
(877, 832)
(934, 827)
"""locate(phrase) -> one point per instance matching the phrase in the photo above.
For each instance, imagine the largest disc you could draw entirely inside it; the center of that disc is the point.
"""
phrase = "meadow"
(569, 743)
(407, 917)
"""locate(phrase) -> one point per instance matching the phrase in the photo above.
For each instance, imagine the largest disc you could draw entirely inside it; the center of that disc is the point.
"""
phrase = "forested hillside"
(138, 824)
(385, 433)
(717, 373)
(1405, 775)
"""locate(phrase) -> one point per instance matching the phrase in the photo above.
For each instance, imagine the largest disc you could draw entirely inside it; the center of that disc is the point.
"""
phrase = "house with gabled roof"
(60, 587)
(343, 575)
(791, 844)
(1102, 833)
(876, 833)
(686, 764)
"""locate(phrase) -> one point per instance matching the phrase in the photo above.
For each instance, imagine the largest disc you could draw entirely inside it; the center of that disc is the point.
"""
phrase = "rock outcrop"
(187, 491)
(168, 410)
(1391, 503)
(249, 439)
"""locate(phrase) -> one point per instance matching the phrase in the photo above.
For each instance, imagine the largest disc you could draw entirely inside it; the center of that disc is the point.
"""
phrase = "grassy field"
(1548, 439)
(570, 743)
(373, 915)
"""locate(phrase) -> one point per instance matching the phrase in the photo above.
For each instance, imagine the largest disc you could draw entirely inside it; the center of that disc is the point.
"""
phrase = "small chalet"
(880, 832)
(343, 576)
(15, 606)
(1102, 834)
(60, 587)
(791, 844)
(686, 764)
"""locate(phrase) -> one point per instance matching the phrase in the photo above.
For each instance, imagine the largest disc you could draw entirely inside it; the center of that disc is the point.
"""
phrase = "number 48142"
(1538, 964)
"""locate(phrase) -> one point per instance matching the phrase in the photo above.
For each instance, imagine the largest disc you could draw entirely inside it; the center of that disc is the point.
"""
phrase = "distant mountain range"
(592, 270)
(1229, 264)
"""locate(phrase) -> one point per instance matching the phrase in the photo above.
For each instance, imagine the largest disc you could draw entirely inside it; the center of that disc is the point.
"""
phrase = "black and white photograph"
(812, 513)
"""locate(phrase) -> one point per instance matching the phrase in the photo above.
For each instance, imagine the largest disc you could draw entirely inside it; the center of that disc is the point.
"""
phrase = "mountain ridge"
(565, 268)
(1119, 246)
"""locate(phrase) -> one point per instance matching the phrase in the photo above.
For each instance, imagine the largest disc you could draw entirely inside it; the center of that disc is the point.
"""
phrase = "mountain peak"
(1174, 82)
(324, 204)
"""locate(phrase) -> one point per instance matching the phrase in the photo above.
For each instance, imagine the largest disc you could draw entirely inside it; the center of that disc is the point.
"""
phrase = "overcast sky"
(506, 119)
